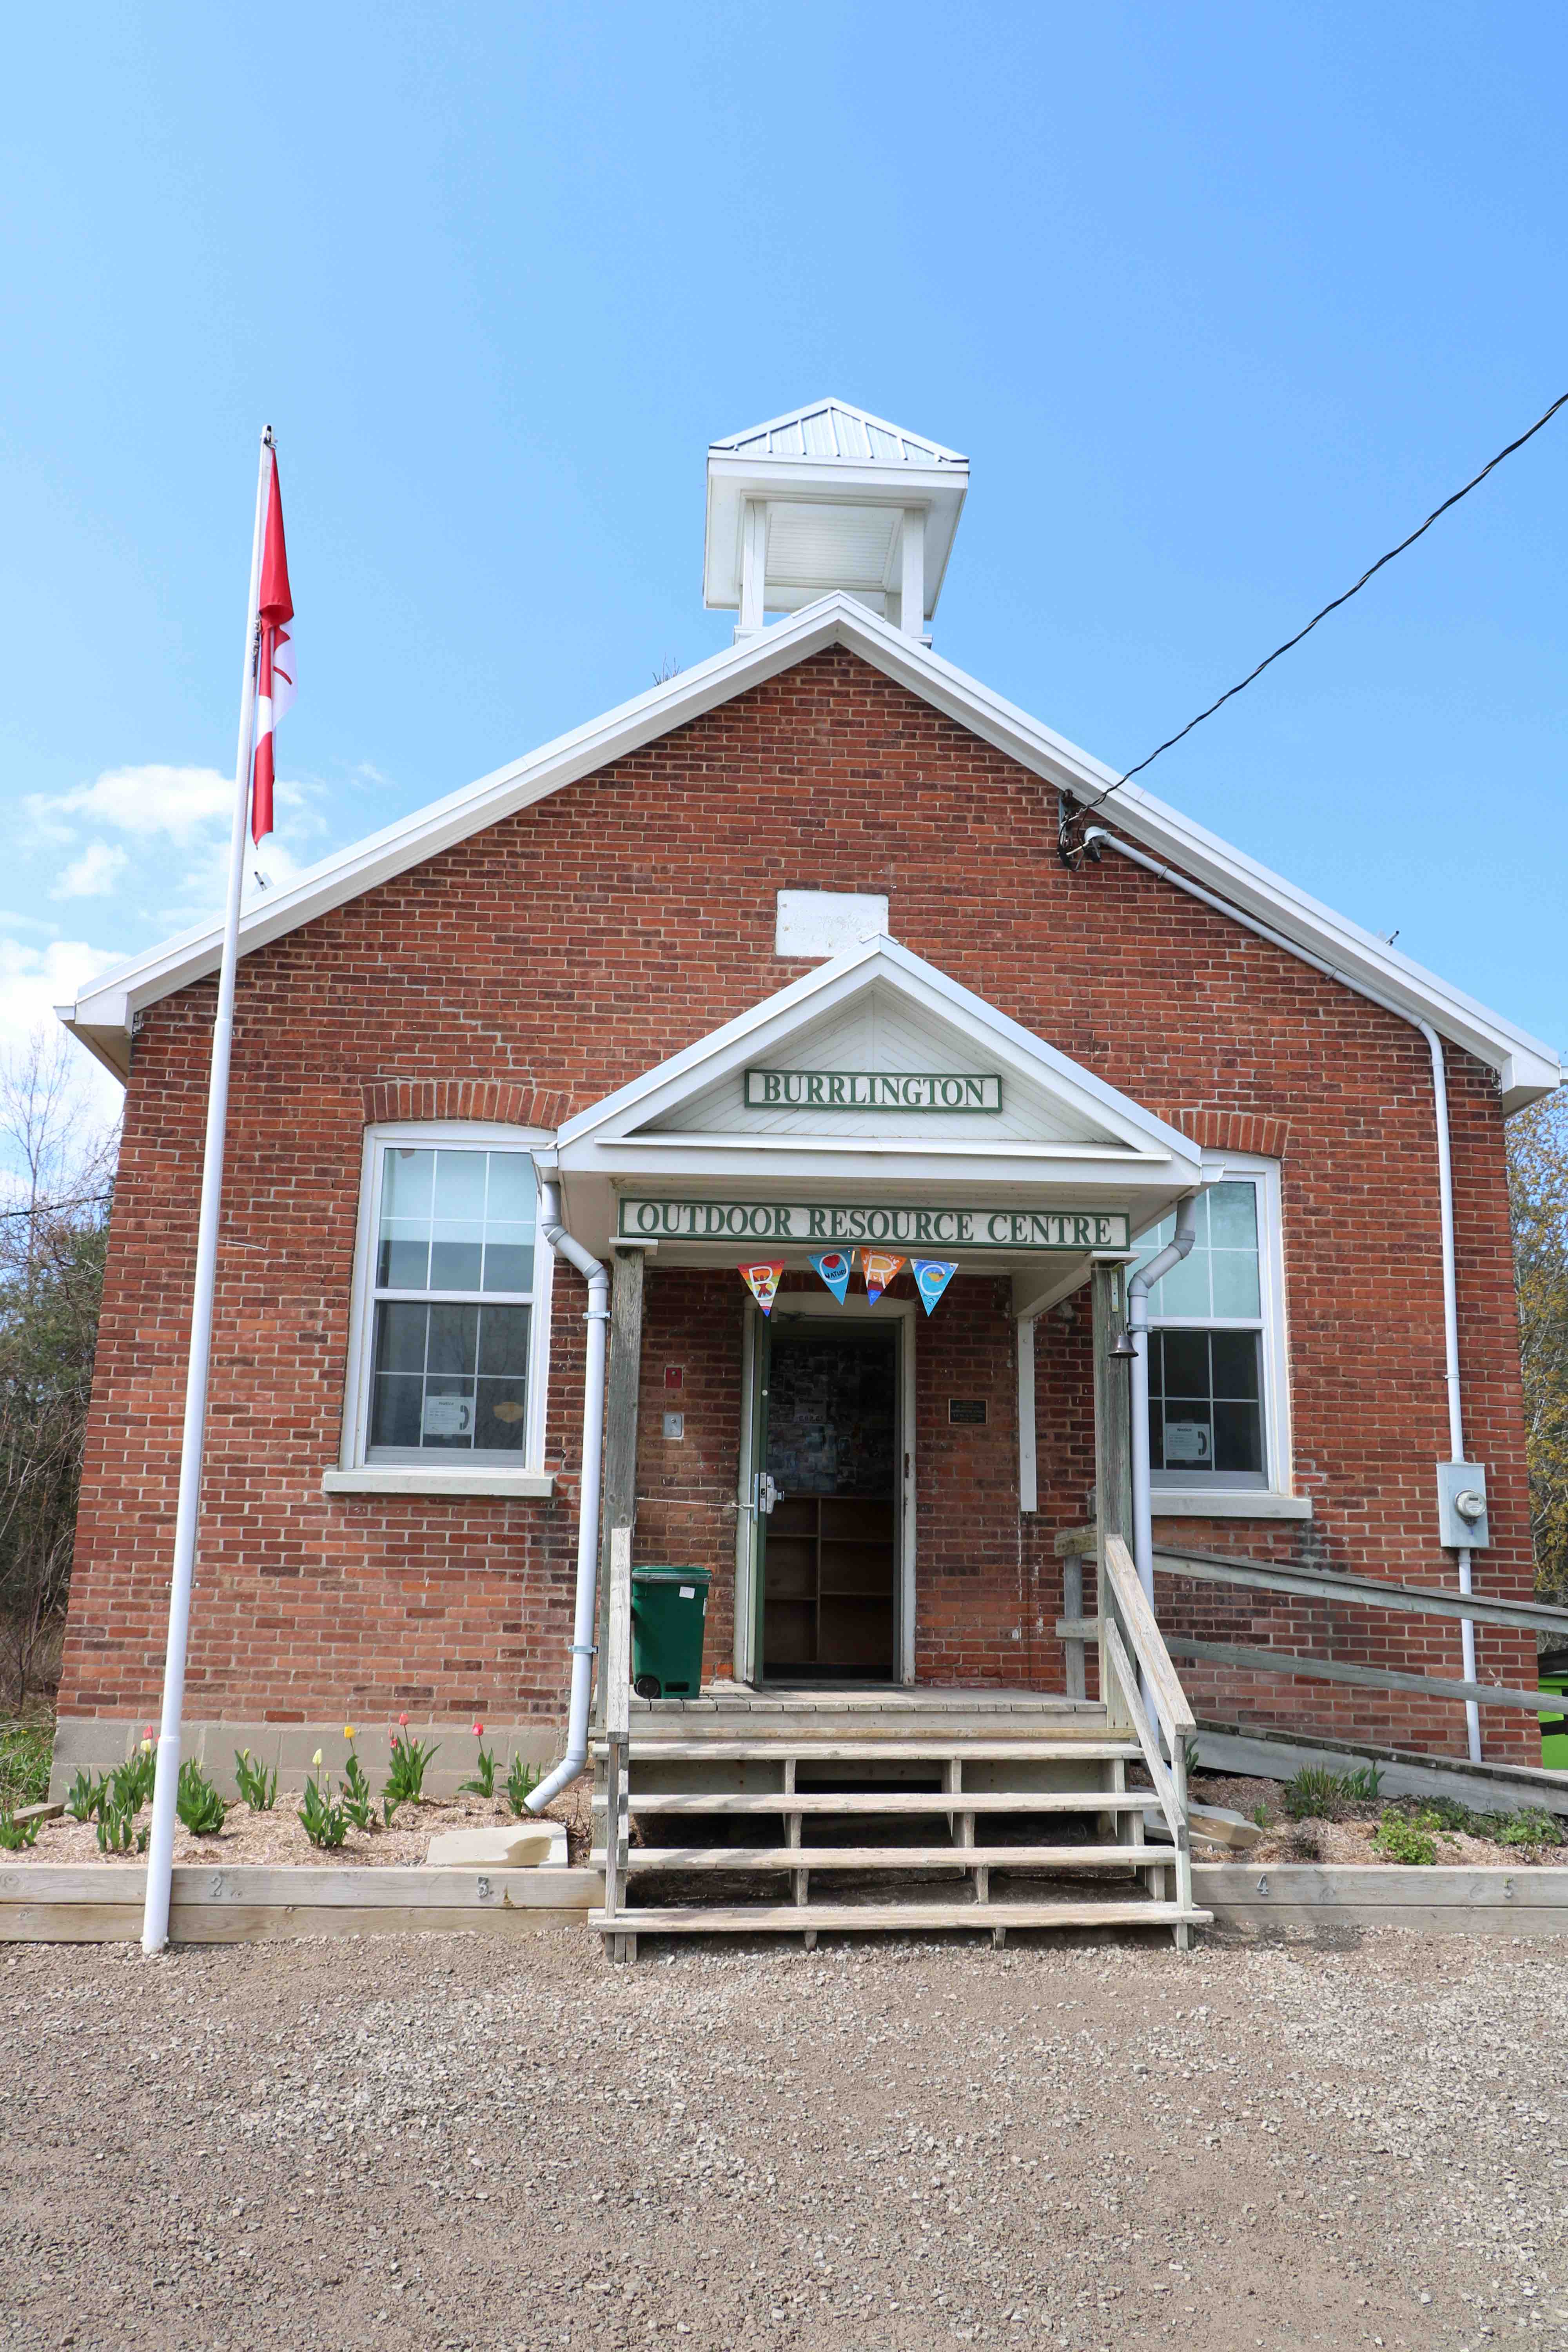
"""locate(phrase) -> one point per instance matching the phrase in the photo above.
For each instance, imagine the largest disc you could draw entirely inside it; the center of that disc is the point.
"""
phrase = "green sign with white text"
(801, 1223)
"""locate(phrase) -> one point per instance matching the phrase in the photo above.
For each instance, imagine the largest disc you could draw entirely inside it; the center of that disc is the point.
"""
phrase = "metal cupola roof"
(830, 498)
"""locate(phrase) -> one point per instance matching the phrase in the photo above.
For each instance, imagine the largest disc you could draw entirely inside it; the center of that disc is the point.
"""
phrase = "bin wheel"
(647, 1686)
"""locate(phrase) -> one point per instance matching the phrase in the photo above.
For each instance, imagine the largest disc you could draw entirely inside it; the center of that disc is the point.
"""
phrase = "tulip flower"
(316, 1759)
(348, 1731)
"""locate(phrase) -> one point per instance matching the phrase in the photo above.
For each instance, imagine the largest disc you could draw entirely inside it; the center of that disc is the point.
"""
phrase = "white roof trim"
(926, 451)
(103, 1016)
(1137, 1137)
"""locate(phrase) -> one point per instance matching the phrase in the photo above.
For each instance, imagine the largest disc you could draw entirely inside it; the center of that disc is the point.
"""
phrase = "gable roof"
(833, 428)
(103, 1014)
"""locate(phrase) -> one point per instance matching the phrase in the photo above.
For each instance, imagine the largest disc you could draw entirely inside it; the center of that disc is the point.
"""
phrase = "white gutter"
(582, 1646)
(1445, 1199)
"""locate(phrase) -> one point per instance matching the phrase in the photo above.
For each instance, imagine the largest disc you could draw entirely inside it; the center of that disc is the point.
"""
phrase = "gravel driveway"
(444, 2143)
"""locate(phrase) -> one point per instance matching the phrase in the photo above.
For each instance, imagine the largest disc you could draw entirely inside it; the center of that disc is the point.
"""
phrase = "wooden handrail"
(1176, 1717)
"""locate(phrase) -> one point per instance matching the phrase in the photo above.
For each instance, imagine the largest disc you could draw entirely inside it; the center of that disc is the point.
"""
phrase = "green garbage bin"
(670, 1608)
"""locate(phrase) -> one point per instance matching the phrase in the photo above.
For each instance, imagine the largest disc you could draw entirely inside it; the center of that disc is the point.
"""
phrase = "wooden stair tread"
(889, 1857)
(702, 1919)
(889, 1801)
(938, 1749)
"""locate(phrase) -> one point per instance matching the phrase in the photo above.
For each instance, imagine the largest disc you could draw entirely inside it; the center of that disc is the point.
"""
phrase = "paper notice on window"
(1187, 1441)
(448, 1416)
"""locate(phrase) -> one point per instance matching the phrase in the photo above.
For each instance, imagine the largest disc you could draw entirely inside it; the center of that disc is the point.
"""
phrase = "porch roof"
(1059, 1140)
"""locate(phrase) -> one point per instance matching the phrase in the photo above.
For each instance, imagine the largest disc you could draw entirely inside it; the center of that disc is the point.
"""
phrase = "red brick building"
(810, 949)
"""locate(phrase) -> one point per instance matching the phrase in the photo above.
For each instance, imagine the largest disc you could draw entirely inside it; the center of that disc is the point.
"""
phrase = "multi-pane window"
(1209, 1349)
(453, 1294)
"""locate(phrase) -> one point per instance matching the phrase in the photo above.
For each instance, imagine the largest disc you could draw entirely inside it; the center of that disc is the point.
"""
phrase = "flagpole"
(161, 1843)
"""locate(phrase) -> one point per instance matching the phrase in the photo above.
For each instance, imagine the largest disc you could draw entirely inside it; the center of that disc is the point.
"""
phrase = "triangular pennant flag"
(933, 1276)
(880, 1269)
(835, 1266)
(763, 1282)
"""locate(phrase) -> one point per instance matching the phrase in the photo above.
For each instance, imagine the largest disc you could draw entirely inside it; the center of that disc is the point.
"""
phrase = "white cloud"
(179, 802)
(33, 981)
(93, 875)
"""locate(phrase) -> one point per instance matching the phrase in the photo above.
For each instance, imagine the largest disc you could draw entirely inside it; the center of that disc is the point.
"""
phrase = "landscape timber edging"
(44, 1903)
(1434, 1900)
(249, 1902)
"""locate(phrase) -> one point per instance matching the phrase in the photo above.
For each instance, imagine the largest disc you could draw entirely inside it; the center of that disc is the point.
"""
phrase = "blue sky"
(1218, 302)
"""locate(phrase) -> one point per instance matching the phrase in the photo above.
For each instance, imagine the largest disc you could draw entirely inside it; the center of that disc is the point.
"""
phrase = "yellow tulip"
(348, 1731)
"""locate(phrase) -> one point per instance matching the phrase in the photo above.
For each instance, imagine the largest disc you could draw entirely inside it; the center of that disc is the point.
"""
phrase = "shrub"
(1445, 1813)
(197, 1802)
(25, 1751)
(1399, 1839)
(522, 1780)
(1532, 1827)
(257, 1787)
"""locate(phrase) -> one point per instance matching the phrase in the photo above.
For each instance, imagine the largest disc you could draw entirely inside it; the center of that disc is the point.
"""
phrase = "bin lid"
(671, 1576)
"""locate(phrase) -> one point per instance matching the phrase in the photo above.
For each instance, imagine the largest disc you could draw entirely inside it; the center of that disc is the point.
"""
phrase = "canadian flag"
(275, 655)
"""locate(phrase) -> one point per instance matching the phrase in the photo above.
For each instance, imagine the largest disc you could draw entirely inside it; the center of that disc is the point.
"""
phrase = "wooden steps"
(1088, 1747)
(884, 1857)
(887, 1917)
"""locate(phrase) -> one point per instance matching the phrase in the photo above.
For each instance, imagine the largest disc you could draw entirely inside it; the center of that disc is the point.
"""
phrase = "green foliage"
(326, 1823)
(1446, 1814)
(85, 1795)
(1537, 1206)
(1317, 1794)
(53, 1240)
(16, 1835)
(1400, 1839)
(357, 1802)
(133, 1781)
(522, 1780)
(197, 1802)
(1531, 1827)
(406, 1776)
(483, 1783)
(117, 1829)
(257, 1787)
(26, 1750)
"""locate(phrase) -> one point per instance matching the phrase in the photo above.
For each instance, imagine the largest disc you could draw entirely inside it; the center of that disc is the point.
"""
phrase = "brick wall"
(543, 963)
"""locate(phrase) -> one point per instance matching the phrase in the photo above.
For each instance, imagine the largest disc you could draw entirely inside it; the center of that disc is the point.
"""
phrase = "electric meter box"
(1462, 1505)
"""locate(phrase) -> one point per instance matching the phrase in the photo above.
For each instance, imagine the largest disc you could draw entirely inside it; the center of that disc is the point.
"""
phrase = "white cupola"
(829, 499)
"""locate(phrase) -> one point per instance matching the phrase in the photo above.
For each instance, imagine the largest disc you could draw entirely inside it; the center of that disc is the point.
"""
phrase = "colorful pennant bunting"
(881, 1268)
(933, 1276)
(835, 1266)
(763, 1282)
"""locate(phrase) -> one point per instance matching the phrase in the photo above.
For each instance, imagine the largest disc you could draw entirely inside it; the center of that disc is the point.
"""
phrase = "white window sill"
(1226, 1503)
(411, 1479)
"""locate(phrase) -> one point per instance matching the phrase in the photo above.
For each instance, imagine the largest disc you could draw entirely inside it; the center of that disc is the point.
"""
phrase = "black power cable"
(1074, 816)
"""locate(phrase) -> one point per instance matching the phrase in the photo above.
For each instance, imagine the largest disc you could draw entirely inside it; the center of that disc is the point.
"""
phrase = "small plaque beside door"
(966, 1411)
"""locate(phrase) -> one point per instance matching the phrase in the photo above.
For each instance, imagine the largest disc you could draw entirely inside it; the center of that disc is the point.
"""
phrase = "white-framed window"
(449, 1360)
(1218, 1379)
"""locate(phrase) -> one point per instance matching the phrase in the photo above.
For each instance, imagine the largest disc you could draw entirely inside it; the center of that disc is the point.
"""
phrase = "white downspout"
(1138, 1291)
(1444, 1184)
(582, 1646)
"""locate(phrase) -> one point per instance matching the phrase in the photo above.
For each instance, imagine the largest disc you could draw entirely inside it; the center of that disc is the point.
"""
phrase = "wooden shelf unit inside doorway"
(828, 1598)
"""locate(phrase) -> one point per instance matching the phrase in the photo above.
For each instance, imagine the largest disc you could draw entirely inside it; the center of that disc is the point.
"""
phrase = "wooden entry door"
(829, 1549)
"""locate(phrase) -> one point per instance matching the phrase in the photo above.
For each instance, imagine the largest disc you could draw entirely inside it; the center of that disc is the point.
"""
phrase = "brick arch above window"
(503, 1101)
(1256, 1132)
